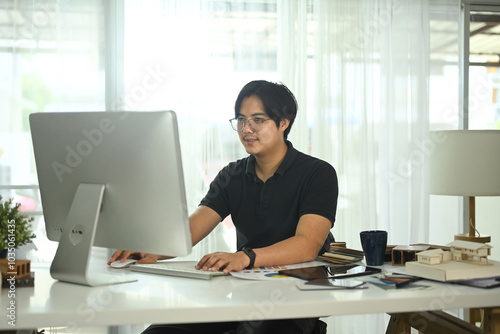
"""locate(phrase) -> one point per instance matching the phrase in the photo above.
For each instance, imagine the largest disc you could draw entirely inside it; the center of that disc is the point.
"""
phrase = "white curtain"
(359, 71)
(51, 59)
(370, 106)
(363, 83)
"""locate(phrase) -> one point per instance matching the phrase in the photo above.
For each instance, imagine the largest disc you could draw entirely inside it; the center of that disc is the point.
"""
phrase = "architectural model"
(460, 251)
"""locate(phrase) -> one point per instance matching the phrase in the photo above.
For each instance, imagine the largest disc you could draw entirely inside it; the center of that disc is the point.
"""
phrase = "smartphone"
(330, 272)
(343, 283)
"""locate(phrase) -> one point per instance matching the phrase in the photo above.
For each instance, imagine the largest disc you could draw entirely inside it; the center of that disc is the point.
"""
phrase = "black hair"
(279, 102)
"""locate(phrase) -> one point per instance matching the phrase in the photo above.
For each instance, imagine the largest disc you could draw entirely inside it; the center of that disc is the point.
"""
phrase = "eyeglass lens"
(239, 124)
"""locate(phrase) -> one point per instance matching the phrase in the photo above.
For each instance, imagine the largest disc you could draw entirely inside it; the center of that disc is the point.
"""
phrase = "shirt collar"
(287, 161)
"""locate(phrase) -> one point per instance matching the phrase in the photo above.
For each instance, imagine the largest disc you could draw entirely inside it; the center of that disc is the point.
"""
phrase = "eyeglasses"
(255, 124)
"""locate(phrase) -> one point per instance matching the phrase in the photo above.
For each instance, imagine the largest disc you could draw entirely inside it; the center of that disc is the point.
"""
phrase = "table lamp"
(465, 163)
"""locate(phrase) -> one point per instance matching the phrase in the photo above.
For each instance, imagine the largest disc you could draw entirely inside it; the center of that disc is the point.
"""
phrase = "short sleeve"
(321, 193)
(218, 195)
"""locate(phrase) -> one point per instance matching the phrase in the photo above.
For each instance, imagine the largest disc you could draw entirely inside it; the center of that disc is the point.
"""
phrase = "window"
(464, 51)
(52, 56)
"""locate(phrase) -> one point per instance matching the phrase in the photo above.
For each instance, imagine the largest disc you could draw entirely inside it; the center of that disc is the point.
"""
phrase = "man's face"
(265, 140)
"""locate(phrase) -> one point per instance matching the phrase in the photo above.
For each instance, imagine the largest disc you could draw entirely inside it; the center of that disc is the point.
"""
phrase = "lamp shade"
(465, 163)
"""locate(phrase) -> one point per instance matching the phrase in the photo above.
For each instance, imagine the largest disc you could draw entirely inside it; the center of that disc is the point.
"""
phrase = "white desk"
(161, 299)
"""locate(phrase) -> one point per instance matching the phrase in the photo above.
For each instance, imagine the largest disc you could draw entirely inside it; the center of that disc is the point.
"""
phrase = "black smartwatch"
(251, 254)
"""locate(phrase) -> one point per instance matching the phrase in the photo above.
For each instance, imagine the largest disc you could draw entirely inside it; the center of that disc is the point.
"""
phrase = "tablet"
(331, 272)
(484, 283)
(330, 284)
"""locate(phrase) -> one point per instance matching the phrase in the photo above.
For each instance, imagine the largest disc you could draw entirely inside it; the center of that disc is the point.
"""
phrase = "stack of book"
(340, 254)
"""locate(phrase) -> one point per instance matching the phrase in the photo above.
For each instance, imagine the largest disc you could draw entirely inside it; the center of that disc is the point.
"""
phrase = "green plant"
(15, 227)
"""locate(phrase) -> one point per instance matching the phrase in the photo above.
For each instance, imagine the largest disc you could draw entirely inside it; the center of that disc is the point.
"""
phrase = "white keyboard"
(176, 268)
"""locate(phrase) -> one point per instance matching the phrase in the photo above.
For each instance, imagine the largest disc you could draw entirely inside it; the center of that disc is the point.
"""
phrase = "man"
(282, 202)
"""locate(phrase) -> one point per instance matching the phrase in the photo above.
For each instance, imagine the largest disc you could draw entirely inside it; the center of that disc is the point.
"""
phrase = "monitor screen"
(121, 169)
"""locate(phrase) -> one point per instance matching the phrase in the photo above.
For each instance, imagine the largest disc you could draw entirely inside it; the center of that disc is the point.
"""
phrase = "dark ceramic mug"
(374, 244)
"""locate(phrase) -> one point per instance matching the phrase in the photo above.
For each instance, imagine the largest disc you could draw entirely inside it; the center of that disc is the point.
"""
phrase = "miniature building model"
(402, 254)
(465, 250)
(433, 256)
(18, 268)
(460, 250)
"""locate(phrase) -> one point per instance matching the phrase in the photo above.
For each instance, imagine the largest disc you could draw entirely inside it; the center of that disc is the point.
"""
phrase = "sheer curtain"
(359, 71)
(201, 54)
(51, 56)
(362, 81)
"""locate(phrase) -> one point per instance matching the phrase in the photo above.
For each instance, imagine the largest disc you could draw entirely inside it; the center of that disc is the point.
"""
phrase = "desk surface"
(163, 299)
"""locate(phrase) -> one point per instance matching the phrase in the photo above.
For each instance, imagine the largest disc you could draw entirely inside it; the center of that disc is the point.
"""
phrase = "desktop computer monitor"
(109, 179)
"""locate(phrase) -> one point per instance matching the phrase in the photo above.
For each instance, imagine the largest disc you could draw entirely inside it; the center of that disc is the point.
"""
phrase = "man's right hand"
(121, 255)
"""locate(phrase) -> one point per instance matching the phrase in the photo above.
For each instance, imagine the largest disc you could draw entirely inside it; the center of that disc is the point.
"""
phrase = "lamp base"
(473, 238)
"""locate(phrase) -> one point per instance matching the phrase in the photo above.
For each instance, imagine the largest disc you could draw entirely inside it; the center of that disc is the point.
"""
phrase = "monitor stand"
(71, 262)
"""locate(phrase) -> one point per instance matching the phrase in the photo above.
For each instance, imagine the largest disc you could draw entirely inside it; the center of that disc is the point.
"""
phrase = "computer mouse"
(124, 264)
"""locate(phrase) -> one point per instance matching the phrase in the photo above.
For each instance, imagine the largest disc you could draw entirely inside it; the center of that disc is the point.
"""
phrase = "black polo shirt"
(266, 213)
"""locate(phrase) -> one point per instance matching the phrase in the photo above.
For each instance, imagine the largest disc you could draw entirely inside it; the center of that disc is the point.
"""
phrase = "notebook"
(176, 268)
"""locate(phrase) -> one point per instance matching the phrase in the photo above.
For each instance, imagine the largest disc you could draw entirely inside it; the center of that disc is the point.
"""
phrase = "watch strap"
(251, 254)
